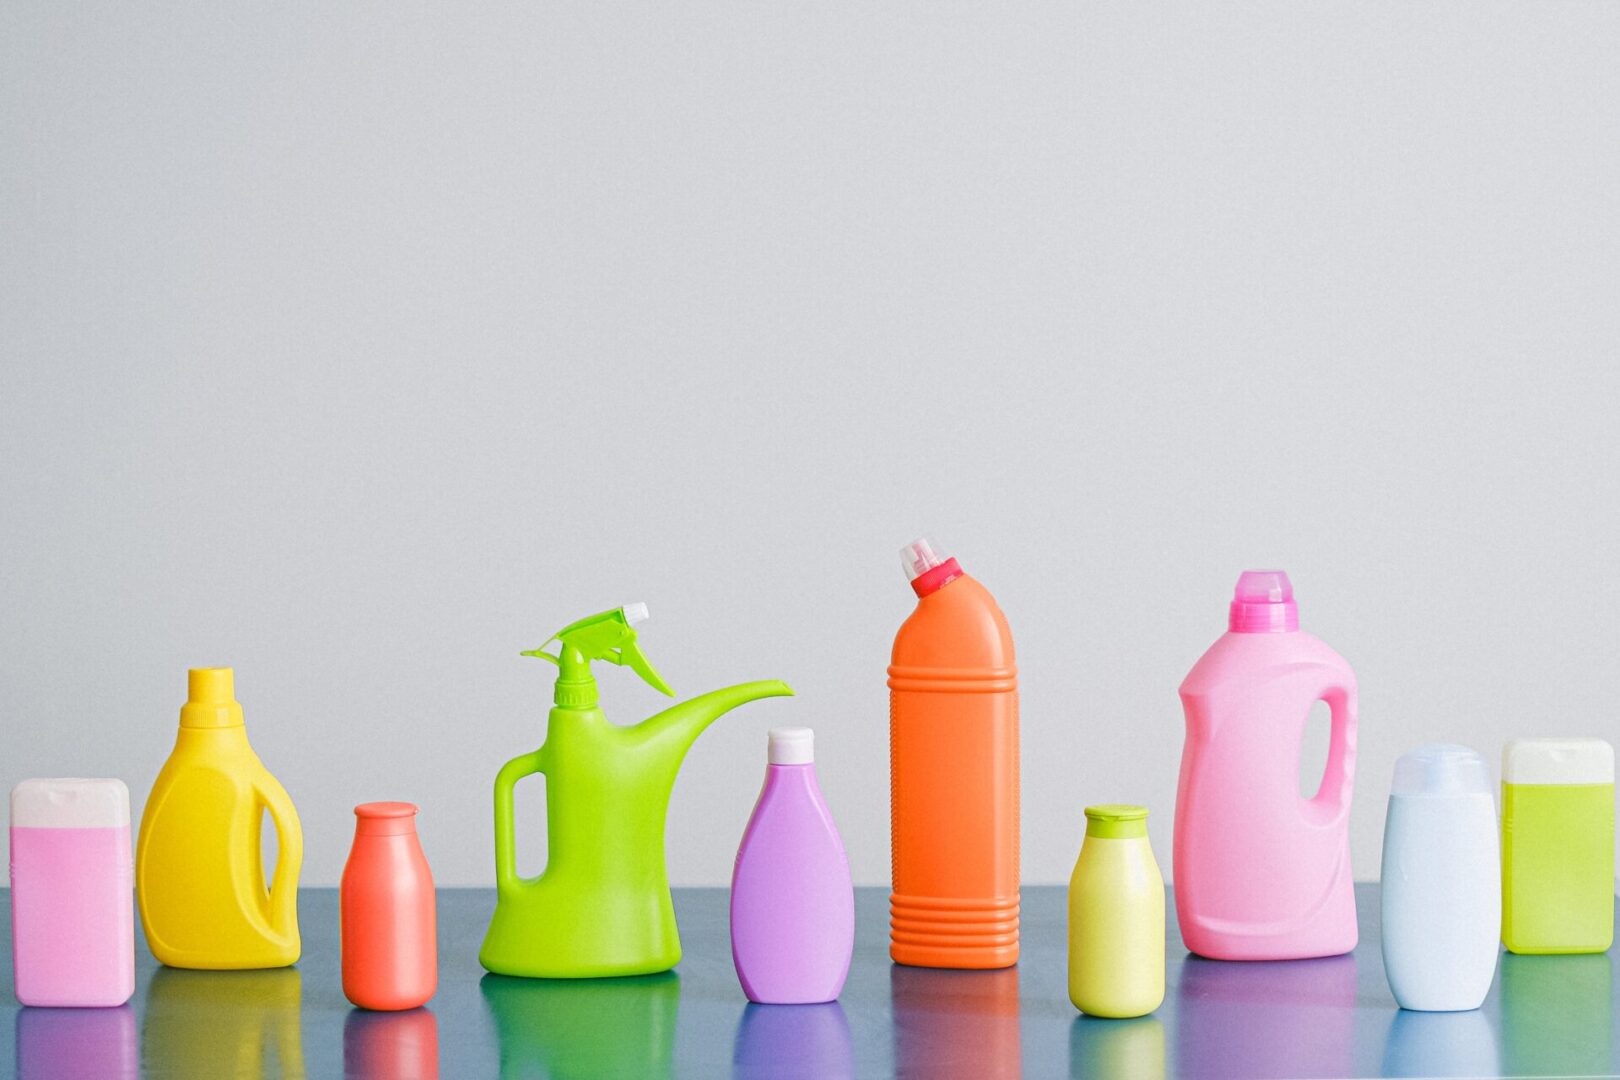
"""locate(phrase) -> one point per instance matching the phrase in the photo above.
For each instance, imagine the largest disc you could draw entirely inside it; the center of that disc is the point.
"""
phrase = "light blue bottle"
(1442, 880)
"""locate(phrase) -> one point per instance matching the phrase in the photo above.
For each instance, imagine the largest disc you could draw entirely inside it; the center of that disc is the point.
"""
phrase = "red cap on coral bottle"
(927, 570)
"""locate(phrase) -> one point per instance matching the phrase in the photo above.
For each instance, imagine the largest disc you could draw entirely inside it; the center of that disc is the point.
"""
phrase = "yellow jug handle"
(506, 876)
(289, 857)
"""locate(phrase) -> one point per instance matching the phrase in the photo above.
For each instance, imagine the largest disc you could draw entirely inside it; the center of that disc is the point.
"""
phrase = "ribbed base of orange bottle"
(950, 932)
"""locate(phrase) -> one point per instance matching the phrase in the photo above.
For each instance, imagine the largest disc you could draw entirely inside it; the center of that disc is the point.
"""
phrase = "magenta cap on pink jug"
(1263, 603)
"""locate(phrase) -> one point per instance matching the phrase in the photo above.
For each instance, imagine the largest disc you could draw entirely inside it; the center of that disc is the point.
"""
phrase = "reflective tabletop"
(1546, 1016)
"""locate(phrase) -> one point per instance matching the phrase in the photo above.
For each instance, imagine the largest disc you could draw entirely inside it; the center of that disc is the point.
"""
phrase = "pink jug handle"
(289, 857)
(1333, 798)
(506, 876)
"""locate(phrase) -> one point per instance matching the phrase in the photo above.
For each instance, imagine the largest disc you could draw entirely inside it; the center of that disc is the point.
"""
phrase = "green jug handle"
(289, 856)
(506, 875)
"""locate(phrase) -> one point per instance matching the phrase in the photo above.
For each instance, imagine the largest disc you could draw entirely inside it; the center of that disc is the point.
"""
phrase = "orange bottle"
(389, 934)
(953, 774)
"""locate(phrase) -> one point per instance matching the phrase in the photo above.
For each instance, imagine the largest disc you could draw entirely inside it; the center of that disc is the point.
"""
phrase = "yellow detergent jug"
(199, 876)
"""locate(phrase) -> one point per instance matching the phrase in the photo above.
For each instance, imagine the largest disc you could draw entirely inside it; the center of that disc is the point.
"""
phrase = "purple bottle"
(792, 903)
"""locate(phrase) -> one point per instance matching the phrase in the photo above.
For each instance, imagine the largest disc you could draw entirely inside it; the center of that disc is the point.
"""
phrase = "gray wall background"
(362, 346)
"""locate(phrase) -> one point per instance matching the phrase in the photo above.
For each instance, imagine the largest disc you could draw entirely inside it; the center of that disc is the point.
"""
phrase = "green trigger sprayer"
(602, 904)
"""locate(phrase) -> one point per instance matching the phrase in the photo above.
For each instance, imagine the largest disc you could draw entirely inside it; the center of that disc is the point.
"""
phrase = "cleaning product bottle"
(1442, 880)
(390, 937)
(792, 903)
(199, 876)
(1558, 846)
(602, 905)
(1116, 917)
(72, 922)
(1261, 872)
(953, 773)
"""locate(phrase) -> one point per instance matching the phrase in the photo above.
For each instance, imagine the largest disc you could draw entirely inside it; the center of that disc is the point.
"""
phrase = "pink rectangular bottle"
(1262, 873)
(72, 898)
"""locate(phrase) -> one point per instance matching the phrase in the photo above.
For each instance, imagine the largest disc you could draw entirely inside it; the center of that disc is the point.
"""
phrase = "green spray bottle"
(602, 905)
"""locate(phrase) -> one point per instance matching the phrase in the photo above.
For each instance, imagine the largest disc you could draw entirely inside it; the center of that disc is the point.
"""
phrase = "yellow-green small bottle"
(1116, 917)
(1558, 846)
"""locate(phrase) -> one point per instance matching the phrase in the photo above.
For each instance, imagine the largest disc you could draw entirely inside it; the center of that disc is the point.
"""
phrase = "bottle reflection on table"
(73, 1044)
(1558, 1015)
(1440, 1044)
(1102, 1047)
(793, 1041)
(396, 1045)
(573, 1028)
(1266, 1018)
(212, 1024)
(955, 1023)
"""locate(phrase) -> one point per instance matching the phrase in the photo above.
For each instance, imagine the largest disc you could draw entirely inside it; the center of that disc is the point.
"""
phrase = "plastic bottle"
(1442, 880)
(390, 938)
(72, 922)
(1116, 917)
(953, 773)
(1262, 873)
(792, 902)
(1558, 846)
(199, 874)
(602, 905)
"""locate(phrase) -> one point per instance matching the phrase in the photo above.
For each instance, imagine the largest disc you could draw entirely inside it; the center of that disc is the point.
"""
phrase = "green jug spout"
(675, 729)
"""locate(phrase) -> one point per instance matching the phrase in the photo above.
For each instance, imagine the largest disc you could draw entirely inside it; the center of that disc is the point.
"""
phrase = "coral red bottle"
(953, 773)
(390, 940)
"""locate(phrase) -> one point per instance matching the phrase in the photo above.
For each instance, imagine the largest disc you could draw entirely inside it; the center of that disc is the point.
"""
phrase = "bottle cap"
(1442, 769)
(791, 746)
(385, 818)
(1116, 821)
(211, 699)
(926, 569)
(69, 803)
(1263, 603)
(1557, 761)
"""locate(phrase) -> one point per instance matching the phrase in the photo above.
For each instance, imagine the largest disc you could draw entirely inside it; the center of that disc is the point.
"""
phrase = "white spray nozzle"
(919, 557)
(635, 613)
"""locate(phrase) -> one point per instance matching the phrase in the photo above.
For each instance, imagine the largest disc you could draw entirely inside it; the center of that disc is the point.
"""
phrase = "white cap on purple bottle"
(792, 746)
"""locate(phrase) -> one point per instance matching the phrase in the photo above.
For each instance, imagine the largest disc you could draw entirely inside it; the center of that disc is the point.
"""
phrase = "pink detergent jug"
(1262, 873)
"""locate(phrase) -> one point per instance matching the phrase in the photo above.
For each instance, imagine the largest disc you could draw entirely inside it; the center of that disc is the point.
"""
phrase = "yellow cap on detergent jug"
(211, 699)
